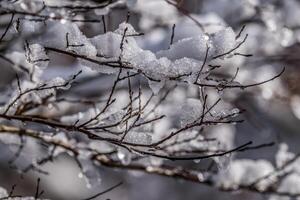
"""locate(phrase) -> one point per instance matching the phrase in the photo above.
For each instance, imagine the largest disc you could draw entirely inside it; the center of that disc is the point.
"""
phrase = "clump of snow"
(194, 47)
(183, 60)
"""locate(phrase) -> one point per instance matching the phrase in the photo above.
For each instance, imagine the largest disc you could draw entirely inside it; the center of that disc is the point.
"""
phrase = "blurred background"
(272, 109)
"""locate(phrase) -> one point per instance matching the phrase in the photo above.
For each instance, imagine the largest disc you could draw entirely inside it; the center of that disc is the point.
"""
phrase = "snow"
(182, 60)
(160, 66)
(194, 47)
